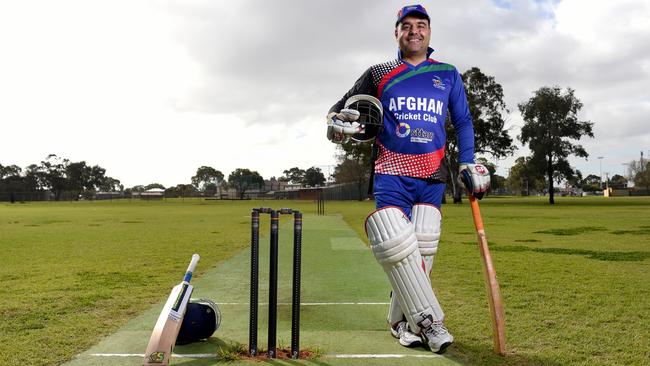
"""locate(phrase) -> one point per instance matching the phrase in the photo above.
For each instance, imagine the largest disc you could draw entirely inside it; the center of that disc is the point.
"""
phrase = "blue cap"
(412, 10)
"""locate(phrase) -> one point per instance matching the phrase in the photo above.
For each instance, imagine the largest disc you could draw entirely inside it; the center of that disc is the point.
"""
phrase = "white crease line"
(214, 355)
(382, 355)
(309, 303)
(174, 355)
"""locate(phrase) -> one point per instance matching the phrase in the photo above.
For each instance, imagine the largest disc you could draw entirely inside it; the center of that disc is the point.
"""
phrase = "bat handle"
(476, 211)
(191, 267)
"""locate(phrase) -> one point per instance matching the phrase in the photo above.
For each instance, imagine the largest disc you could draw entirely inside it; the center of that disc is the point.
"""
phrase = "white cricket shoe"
(437, 337)
(405, 336)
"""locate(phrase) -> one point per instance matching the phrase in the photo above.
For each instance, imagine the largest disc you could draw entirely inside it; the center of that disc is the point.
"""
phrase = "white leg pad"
(427, 219)
(393, 242)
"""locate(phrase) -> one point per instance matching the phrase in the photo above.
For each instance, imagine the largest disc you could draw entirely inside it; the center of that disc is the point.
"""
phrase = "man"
(416, 93)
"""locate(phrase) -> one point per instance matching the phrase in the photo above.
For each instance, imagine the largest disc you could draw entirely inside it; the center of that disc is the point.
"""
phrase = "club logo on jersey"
(437, 83)
(414, 105)
(421, 136)
(403, 130)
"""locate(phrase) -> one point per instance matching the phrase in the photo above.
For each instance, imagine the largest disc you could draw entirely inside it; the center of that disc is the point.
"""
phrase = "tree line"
(61, 178)
(55, 175)
(209, 181)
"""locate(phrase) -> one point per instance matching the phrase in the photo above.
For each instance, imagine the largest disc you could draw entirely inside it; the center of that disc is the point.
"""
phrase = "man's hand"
(342, 125)
(475, 178)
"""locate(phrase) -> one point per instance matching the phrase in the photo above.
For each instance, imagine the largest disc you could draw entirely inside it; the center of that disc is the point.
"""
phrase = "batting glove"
(342, 125)
(475, 178)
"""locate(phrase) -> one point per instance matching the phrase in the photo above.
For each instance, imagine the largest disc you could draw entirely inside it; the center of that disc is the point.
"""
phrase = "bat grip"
(191, 267)
(476, 211)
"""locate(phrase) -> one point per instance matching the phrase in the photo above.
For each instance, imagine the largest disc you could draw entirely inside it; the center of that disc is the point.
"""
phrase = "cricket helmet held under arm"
(370, 118)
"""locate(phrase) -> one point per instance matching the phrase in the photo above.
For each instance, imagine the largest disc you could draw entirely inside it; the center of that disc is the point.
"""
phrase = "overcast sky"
(151, 90)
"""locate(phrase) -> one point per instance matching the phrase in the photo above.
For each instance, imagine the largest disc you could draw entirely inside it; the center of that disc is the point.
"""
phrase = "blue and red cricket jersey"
(416, 100)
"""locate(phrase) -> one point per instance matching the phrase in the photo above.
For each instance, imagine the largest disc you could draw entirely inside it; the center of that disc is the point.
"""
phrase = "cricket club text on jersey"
(415, 105)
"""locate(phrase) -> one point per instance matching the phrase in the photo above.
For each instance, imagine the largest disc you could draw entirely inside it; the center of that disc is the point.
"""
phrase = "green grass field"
(91, 276)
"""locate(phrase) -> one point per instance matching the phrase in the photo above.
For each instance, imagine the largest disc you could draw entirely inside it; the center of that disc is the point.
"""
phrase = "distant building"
(108, 195)
(151, 194)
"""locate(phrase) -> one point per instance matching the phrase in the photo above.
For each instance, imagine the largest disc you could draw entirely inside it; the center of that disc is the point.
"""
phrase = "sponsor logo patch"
(403, 130)
(421, 136)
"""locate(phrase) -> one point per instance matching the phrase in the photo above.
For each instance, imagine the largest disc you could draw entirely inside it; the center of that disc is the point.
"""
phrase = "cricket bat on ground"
(163, 337)
(491, 283)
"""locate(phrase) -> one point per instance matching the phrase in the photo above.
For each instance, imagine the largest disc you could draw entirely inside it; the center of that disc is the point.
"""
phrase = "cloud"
(153, 90)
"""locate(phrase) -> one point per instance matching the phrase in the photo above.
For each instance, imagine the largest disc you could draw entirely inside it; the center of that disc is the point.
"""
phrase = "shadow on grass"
(643, 230)
(591, 254)
(571, 231)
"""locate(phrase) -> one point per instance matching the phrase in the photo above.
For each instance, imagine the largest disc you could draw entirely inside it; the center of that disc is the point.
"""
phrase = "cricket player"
(416, 94)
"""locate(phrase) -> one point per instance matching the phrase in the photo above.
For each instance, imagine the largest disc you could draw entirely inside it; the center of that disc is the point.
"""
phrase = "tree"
(33, 179)
(83, 178)
(640, 173)
(181, 190)
(108, 184)
(354, 165)
(79, 178)
(294, 175)
(488, 111)
(351, 170)
(208, 180)
(314, 177)
(11, 181)
(99, 179)
(524, 176)
(58, 175)
(52, 173)
(498, 184)
(590, 183)
(574, 181)
(618, 182)
(550, 126)
(244, 179)
(138, 188)
(154, 186)
(8, 171)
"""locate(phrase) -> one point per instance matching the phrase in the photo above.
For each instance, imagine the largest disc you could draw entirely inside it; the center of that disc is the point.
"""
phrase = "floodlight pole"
(625, 173)
(600, 162)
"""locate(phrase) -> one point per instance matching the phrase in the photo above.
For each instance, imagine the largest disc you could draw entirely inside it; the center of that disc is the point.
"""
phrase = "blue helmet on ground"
(202, 319)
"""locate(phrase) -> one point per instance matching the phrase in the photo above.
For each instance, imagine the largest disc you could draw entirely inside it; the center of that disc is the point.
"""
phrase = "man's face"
(413, 35)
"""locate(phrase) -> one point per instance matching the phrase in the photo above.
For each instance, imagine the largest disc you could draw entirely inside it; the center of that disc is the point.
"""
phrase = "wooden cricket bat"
(163, 337)
(491, 283)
